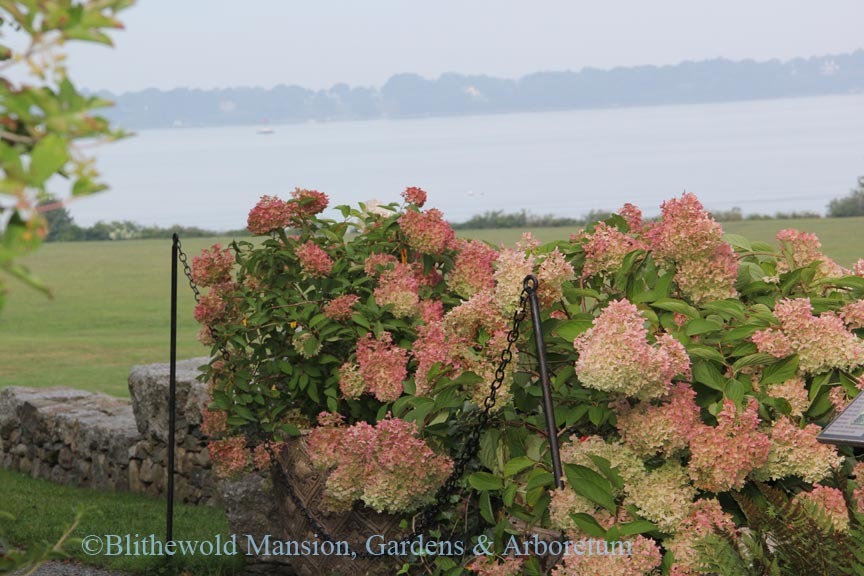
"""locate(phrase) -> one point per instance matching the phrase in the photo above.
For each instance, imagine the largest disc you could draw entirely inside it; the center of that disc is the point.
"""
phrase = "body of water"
(762, 156)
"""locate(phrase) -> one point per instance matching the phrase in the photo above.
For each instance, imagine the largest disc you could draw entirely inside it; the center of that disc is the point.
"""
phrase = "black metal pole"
(531, 284)
(172, 389)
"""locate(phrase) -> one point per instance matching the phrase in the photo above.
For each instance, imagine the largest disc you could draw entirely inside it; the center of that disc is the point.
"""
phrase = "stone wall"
(83, 438)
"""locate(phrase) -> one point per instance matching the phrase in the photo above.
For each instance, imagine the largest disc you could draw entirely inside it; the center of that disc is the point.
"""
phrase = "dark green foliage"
(784, 538)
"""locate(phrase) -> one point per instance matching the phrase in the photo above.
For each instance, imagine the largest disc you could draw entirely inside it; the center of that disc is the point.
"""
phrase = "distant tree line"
(62, 228)
(410, 95)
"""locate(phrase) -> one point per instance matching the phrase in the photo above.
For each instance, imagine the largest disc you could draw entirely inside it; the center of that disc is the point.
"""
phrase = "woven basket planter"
(261, 505)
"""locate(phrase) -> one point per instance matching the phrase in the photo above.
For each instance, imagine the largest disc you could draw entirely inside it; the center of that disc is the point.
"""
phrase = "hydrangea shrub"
(688, 366)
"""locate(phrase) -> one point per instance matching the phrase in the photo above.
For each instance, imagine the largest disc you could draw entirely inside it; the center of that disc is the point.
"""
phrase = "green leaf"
(49, 155)
(705, 353)
(591, 485)
(738, 241)
(753, 360)
(483, 481)
(707, 373)
(516, 465)
(539, 478)
(588, 524)
(781, 371)
(486, 508)
(673, 305)
(606, 467)
(570, 329)
(734, 391)
(700, 326)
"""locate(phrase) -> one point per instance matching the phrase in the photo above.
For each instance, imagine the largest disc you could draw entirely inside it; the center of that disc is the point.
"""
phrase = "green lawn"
(110, 309)
(43, 510)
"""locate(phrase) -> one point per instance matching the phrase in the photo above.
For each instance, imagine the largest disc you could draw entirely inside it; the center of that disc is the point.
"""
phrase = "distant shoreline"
(409, 96)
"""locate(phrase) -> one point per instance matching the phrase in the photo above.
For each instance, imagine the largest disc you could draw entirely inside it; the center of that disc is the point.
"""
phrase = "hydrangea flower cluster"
(510, 270)
(793, 391)
(211, 308)
(398, 287)
(706, 517)
(341, 307)
(795, 452)
(382, 365)
(314, 261)
(414, 195)
(649, 428)
(829, 502)
(801, 249)
(644, 558)
(308, 203)
(427, 232)
(386, 466)
(821, 342)
(552, 273)
(268, 215)
(663, 496)
(605, 249)
(716, 468)
(687, 235)
(229, 456)
(853, 314)
(474, 267)
(213, 266)
(491, 566)
(615, 356)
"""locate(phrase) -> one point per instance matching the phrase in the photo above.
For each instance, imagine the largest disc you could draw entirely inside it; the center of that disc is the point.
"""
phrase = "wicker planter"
(261, 505)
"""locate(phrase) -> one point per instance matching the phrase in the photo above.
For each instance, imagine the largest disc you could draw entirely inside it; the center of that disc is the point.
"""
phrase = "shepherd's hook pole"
(172, 389)
(531, 284)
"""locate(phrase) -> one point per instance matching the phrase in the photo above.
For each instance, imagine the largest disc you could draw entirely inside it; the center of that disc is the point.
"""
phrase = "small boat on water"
(266, 131)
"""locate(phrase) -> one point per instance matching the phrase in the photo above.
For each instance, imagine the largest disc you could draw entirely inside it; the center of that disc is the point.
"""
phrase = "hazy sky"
(317, 43)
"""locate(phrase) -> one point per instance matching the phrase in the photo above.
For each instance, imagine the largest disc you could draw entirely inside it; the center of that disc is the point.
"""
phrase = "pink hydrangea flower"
(314, 261)
(308, 202)
(802, 249)
(633, 215)
(492, 566)
(398, 287)
(415, 196)
(383, 366)
(214, 423)
(644, 559)
(478, 312)
(213, 266)
(554, 271)
(858, 267)
(211, 308)
(715, 465)
(427, 232)
(351, 382)
(268, 215)
(796, 452)
(341, 307)
(706, 517)
(650, 428)
(853, 314)
(376, 263)
(830, 502)
(687, 235)
(386, 466)
(615, 356)
(431, 347)
(821, 342)
(605, 249)
(793, 391)
(431, 311)
(473, 270)
(510, 270)
(229, 456)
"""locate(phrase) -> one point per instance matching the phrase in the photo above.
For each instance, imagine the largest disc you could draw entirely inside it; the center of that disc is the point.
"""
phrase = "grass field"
(110, 309)
(42, 510)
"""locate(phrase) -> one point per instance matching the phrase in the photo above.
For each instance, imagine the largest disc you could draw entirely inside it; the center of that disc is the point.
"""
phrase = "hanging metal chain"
(470, 447)
(187, 270)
